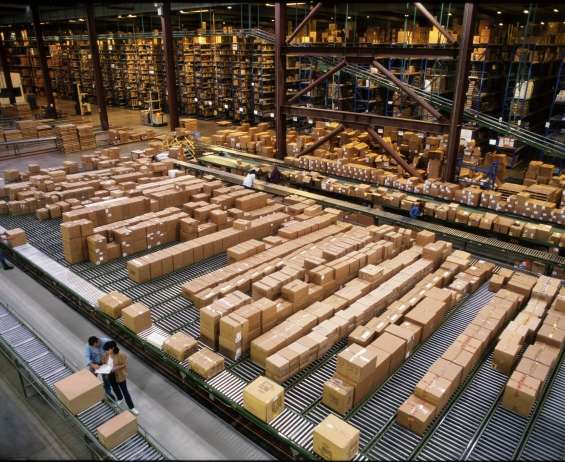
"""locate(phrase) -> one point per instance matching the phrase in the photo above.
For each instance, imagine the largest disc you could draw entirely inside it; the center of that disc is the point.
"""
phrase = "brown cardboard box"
(338, 395)
(520, 393)
(277, 368)
(435, 389)
(137, 317)
(334, 439)
(542, 353)
(361, 335)
(552, 336)
(117, 430)
(506, 353)
(79, 391)
(356, 363)
(393, 345)
(180, 346)
(416, 414)
(448, 370)
(264, 398)
(533, 369)
(206, 363)
(408, 335)
(16, 237)
(113, 303)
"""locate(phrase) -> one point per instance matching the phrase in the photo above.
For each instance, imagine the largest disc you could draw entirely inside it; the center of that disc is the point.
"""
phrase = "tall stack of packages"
(67, 138)
(86, 137)
(45, 131)
(28, 128)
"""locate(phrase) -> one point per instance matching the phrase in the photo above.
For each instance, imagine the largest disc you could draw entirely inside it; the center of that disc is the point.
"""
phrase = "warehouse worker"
(93, 355)
(249, 180)
(119, 374)
(416, 210)
(275, 176)
(5, 264)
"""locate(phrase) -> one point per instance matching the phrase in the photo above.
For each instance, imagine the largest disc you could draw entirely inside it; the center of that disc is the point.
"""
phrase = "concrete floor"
(37, 432)
(181, 425)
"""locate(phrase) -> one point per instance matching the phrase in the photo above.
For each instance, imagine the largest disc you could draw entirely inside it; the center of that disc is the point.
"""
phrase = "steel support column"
(168, 45)
(6, 72)
(95, 56)
(51, 109)
(392, 152)
(300, 26)
(450, 38)
(460, 91)
(318, 81)
(406, 89)
(280, 79)
(336, 131)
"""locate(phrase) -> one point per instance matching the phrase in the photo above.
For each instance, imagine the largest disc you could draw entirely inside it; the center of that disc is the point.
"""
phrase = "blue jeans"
(3, 261)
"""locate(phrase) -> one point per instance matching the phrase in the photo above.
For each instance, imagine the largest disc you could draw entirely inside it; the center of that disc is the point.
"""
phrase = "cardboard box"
(117, 430)
(264, 398)
(416, 414)
(206, 363)
(338, 395)
(137, 317)
(113, 303)
(356, 363)
(542, 353)
(533, 369)
(180, 346)
(79, 391)
(552, 336)
(334, 439)
(520, 393)
(435, 389)
(506, 354)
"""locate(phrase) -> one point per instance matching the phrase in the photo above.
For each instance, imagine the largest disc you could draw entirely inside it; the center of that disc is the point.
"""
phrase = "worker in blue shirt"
(93, 354)
(416, 211)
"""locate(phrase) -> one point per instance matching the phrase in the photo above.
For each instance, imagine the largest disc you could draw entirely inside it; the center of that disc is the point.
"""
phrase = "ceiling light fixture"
(120, 16)
(499, 12)
(229, 7)
(368, 17)
(500, 24)
(349, 17)
(193, 11)
(132, 16)
(555, 10)
(81, 19)
(526, 11)
(542, 23)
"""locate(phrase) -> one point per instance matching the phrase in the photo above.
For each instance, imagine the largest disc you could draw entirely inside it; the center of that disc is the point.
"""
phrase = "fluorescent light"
(349, 17)
(132, 16)
(542, 23)
(555, 10)
(120, 16)
(526, 11)
(229, 7)
(368, 16)
(81, 19)
(193, 11)
(499, 12)
(500, 24)
(449, 14)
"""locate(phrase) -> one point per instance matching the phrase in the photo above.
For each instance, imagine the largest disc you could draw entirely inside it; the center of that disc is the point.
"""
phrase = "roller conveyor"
(42, 368)
(380, 436)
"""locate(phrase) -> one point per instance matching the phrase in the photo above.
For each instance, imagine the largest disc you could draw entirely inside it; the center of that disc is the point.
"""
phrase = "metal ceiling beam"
(280, 79)
(370, 51)
(51, 109)
(448, 35)
(389, 149)
(169, 53)
(407, 90)
(461, 83)
(317, 82)
(363, 120)
(303, 23)
(336, 131)
(6, 72)
(95, 54)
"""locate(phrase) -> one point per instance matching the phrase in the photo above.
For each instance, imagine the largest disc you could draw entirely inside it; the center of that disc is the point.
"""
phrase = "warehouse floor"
(183, 427)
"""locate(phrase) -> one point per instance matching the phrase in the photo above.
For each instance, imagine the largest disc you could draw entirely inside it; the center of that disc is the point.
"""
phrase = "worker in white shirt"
(249, 180)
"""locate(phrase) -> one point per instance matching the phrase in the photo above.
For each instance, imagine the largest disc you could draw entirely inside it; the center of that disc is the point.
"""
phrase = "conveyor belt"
(546, 438)
(474, 243)
(44, 368)
(222, 161)
(380, 434)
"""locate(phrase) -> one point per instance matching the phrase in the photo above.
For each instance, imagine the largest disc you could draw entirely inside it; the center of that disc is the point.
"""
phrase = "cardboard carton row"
(286, 282)
(342, 312)
(532, 371)
(179, 256)
(388, 340)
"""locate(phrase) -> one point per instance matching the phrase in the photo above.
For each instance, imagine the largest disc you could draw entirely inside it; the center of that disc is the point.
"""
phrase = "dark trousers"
(106, 382)
(3, 260)
(121, 390)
